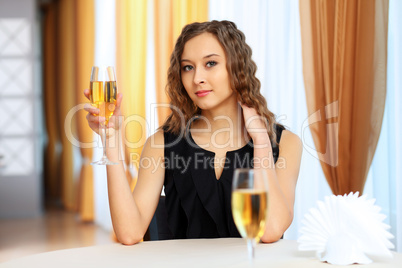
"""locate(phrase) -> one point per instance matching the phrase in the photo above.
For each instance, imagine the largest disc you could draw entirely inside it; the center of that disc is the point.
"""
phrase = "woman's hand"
(255, 125)
(95, 121)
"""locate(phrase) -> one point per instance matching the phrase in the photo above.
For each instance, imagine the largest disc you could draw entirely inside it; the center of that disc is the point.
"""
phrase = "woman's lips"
(202, 93)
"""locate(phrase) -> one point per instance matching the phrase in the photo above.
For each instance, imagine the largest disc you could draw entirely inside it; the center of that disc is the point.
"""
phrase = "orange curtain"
(170, 17)
(131, 28)
(68, 56)
(84, 47)
(52, 155)
(66, 95)
(163, 48)
(344, 65)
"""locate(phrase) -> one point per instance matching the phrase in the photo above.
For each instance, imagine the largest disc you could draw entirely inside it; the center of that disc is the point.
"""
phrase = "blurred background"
(330, 71)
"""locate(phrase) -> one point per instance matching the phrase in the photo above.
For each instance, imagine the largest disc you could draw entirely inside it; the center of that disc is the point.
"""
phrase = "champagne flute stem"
(251, 248)
(103, 133)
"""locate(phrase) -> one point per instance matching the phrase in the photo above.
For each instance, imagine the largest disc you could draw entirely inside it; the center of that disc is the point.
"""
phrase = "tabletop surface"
(222, 252)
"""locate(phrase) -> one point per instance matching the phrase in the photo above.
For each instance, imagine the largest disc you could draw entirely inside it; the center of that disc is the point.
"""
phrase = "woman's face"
(203, 72)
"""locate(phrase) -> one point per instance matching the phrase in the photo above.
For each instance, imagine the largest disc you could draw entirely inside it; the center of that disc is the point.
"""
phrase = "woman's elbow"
(276, 231)
(129, 240)
(271, 237)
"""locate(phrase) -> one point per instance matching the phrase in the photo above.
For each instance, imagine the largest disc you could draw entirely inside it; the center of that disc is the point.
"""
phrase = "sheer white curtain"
(272, 29)
(105, 54)
(384, 181)
(105, 47)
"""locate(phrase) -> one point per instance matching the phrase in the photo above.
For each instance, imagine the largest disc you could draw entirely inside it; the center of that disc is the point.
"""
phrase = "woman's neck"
(224, 122)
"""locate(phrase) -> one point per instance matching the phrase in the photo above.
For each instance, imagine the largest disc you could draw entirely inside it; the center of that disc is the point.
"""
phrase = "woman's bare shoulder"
(290, 141)
(158, 137)
(155, 143)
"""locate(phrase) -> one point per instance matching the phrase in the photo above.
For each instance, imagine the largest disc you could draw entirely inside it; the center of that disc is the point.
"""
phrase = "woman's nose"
(199, 76)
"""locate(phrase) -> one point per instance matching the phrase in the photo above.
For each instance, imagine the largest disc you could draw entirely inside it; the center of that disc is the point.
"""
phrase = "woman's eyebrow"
(211, 55)
(207, 56)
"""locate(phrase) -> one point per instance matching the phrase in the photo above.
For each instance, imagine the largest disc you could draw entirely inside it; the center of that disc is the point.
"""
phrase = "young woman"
(219, 122)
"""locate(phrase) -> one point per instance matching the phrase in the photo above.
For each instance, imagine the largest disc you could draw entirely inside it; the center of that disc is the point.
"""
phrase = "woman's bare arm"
(282, 177)
(282, 180)
(131, 213)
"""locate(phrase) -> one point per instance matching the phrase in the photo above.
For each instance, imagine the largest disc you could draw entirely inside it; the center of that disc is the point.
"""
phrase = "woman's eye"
(187, 68)
(211, 63)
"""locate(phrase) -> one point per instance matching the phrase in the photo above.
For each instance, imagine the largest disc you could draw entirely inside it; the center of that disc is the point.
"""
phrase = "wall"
(20, 110)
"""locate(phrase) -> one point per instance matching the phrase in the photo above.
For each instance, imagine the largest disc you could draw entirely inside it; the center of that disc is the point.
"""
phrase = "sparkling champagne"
(96, 92)
(249, 208)
(104, 98)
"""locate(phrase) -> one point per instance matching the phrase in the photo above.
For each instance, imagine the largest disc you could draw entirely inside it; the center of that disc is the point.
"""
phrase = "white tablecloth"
(223, 252)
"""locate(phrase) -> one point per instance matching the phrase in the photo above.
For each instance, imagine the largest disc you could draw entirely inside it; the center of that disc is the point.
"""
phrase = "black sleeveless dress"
(197, 204)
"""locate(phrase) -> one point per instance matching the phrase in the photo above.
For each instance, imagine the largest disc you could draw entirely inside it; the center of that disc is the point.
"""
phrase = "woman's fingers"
(110, 124)
(119, 99)
(117, 112)
(118, 104)
(86, 93)
(95, 119)
(90, 109)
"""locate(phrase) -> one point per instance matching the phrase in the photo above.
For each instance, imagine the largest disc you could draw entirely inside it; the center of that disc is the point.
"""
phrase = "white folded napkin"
(345, 229)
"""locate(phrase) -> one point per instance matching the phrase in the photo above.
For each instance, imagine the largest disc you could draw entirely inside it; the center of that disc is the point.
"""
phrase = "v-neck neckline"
(214, 154)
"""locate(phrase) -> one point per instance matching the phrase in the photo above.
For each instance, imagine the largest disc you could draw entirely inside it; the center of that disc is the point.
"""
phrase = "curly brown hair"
(240, 66)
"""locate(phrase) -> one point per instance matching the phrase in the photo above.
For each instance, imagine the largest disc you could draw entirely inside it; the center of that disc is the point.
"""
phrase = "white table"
(224, 252)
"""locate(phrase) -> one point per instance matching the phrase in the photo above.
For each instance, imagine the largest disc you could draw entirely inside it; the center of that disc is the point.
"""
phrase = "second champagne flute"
(250, 205)
(103, 94)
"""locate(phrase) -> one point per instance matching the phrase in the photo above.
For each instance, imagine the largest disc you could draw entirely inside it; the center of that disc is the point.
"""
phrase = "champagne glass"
(250, 205)
(103, 93)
